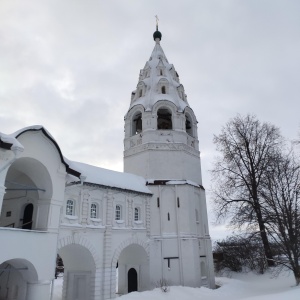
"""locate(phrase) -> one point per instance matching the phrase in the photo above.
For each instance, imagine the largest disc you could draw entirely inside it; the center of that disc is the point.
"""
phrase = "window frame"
(137, 214)
(118, 212)
(94, 212)
(70, 208)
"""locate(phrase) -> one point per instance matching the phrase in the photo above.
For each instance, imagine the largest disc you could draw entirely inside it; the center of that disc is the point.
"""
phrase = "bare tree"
(247, 147)
(282, 211)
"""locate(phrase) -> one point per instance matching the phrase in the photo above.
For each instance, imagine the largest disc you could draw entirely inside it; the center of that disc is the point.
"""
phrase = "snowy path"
(240, 287)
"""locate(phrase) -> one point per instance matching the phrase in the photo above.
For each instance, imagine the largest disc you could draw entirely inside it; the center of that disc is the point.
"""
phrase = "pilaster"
(108, 270)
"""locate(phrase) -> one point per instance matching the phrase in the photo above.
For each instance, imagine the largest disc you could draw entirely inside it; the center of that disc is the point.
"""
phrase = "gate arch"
(78, 240)
(125, 244)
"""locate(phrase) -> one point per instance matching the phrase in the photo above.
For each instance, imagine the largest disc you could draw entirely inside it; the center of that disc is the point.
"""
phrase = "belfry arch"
(164, 118)
(137, 123)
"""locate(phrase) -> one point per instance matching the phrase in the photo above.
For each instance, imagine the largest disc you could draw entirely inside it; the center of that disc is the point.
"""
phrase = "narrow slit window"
(168, 216)
(163, 89)
(140, 93)
(197, 216)
(158, 202)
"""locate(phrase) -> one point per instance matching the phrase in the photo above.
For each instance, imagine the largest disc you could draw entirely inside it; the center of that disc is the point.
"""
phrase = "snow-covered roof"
(10, 142)
(151, 77)
(105, 177)
(92, 174)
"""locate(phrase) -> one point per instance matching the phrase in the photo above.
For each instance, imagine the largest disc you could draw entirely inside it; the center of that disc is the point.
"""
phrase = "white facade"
(148, 226)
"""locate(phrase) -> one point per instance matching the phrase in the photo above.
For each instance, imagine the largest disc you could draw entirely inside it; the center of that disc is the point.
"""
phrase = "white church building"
(147, 224)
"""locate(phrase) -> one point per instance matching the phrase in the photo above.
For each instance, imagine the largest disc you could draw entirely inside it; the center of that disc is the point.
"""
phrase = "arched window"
(70, 208)
(94, 211)
(137, 214)
(164, 119)
(118, 215)
(163, 86)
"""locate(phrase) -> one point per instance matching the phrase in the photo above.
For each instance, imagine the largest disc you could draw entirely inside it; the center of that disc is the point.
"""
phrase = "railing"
(12, 225)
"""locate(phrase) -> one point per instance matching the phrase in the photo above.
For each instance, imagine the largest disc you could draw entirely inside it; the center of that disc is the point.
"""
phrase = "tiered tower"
(161, 144)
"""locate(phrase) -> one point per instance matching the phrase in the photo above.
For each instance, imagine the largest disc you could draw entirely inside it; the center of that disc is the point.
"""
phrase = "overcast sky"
(71, 66)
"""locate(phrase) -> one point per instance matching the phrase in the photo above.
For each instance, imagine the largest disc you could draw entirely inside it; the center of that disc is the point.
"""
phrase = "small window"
(136, 214)
(163, 89)
(168, 216)
(140, 93)
(94, 211)
(118, 212)
(161, 72)
(70, 208)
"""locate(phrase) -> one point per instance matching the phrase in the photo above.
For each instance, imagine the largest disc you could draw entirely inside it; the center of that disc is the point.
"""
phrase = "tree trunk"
(297, 276)
(264, 237)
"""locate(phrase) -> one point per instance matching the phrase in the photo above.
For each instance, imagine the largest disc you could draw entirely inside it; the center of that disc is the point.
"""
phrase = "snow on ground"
(247, 286)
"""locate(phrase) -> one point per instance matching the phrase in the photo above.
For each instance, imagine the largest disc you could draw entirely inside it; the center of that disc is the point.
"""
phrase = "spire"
(158, 81)
(157, 34)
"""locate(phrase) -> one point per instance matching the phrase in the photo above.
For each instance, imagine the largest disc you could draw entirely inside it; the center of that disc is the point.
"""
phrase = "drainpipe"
(17, 151)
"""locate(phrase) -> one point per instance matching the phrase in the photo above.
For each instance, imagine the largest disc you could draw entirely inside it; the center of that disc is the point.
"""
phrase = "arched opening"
(27, 216)
(132, 280)
(27, 184)
(164, 119)
(163, 89)
(133, 270)
(15, 274)
(188, 125)
(79, 272)
(137, 125)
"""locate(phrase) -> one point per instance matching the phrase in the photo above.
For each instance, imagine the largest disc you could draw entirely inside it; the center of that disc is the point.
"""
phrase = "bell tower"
(161, 144)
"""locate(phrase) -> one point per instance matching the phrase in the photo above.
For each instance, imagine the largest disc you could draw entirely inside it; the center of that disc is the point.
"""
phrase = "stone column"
(38, 290)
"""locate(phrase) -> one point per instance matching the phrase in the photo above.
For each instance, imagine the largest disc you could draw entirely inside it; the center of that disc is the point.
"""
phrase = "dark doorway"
(132, 280)
(27, 217)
